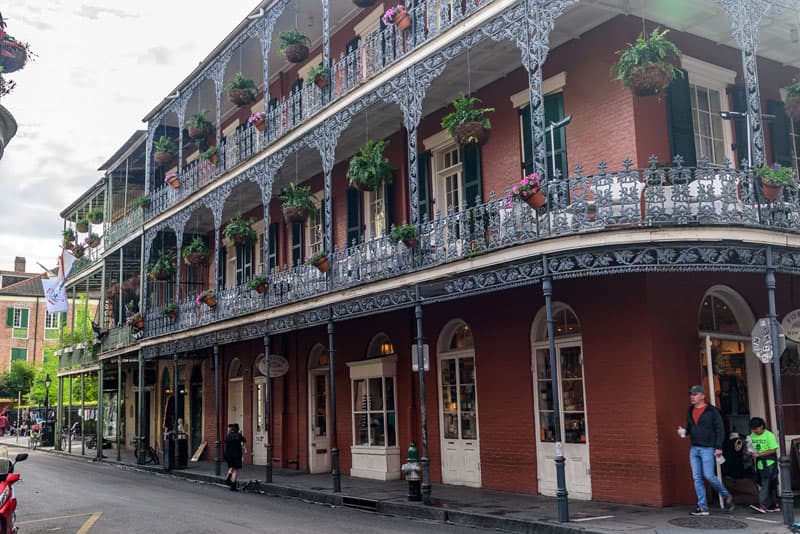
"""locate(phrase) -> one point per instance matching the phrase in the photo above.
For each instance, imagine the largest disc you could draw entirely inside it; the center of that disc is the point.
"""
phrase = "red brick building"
(656, 264)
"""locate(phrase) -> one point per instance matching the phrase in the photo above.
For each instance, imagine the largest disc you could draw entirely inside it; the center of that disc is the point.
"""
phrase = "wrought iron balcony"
(82, 355)
(117, 338)
(604, 201)
(380, 50)
(124, 227)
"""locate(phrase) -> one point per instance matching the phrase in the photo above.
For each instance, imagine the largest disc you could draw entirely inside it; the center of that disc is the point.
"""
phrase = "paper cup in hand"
(720, 459)
(681, 432)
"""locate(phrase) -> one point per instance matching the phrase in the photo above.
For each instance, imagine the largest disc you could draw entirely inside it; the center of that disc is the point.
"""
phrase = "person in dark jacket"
(234, 452)
(704, 427)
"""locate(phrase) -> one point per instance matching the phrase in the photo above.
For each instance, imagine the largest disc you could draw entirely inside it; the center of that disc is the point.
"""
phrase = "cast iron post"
(423, 411)
(337, 482)
(217, 457)
(268, 408)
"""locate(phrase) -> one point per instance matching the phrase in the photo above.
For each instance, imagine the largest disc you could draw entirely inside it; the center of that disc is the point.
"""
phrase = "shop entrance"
(319, 456)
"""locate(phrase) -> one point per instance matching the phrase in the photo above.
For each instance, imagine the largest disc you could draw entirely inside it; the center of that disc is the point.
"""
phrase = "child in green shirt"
(765, 456)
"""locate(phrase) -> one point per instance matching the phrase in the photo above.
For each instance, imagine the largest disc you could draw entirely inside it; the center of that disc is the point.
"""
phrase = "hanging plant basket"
(164, 159)
(650, 80)
(296, 53)
(13, 55)
(198, 133)
(471, 132)
(210, 301)
(159, 275)
(82, 227)
(293, 214)
(364, 3)
(174, 181)
(323, 264)
(239, 97)
(196, 258)
(536, 200)
(92, 242)
(792, 107)
(172, 315)
(260, 124)
(401, 20)
(261, 289)
(322, 80)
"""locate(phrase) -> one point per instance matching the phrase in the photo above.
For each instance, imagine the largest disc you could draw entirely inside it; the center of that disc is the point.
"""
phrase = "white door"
(259, 422)
(574, 430)
(319, 449)
(235, 403)
(461, 463)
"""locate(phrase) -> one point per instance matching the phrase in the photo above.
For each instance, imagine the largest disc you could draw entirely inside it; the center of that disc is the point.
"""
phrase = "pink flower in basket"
(170, 176)
(258, 116)
(388, 17)
(527, 186)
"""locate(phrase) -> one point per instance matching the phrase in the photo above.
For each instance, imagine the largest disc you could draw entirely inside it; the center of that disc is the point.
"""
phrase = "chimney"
(19, 264)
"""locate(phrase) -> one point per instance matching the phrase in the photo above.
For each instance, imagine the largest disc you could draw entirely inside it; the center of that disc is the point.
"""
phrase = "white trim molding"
(553, 84)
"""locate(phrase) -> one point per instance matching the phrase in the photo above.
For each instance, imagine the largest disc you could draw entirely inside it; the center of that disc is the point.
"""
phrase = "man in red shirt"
(704, 427)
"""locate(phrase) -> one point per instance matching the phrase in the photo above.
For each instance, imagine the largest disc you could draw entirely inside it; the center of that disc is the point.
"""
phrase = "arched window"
(565, 323)
(380, 346)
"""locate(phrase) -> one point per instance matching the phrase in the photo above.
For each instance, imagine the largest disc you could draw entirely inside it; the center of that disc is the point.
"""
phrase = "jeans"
(704, 467)
(768, 485)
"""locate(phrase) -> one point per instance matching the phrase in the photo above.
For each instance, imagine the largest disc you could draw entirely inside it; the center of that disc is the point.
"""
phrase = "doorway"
(259, 414)
(235, 398)
(196, 407)
(458, 406)
(572, 393)
(319, 456)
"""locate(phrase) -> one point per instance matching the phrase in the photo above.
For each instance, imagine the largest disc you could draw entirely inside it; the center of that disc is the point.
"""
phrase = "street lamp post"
(47, 383)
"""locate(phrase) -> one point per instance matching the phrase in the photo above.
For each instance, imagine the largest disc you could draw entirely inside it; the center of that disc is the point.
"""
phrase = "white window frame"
(11, 355)
(52, 318)
(710, 76)
(18, 318)
(312, 247)
(371, 222)
(374, 368)
(439, 144)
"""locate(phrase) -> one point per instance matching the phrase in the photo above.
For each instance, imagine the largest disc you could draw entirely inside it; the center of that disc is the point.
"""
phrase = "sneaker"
(776, 508)
(699, 511)
(729, 505)
(760, 508)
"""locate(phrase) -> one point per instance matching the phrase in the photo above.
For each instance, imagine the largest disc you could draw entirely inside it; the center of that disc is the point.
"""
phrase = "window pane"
(450, 426)
(571, 366)
(547, 430)
(543, 363)
(448, 372)
(362, 435)
(359, 396)
(467, 398)
(573, 395)
(545, 392)
(389, 393)
(466, 367)
(391, 430)
(469, 426)
(377, 430)
(575, 428)
(375, 394)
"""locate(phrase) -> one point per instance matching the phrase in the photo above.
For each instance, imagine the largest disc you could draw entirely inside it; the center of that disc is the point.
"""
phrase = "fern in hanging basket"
(241, 91)
(370, 168)
(198, 126)
(296, 203)
(294, 45)
(164, 267)
(195, 252)
(646, 66)
(95, 216)
(467, 124)
(239, 231)
(82, 225)
(164, 151)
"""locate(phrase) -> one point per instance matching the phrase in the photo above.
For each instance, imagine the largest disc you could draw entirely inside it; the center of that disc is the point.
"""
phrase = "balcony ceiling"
(705, 18)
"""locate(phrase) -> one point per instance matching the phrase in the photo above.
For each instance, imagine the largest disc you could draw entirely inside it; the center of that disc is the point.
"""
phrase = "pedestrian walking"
(234, 451)
(765, 455)
(704, 427)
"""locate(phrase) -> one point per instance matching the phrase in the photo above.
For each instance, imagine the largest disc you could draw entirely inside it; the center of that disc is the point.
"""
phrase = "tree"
(18, 379)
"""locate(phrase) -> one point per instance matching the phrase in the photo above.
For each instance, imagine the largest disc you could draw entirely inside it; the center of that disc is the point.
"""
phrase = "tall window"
(374, 421)
(375, 206)
(17, 320)
(449, 188)
(794, 133)
(315, 227)
(708, 130)
(51, 324)
(553, 112)
(19, 355)
(244, 263)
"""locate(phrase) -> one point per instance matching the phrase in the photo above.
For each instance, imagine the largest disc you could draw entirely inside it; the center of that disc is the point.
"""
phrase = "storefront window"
(374, 420)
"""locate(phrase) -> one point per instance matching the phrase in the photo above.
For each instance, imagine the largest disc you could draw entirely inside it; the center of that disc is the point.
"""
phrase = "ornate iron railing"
(119, 230)
(117, 338)
(378, 51)
(604, 201)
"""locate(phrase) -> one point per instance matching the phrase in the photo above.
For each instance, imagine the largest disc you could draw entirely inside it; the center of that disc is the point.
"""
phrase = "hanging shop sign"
(762, 341)
(278, 365)
(791, 324)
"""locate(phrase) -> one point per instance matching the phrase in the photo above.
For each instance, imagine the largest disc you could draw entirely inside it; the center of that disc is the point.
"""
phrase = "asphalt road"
(64, 495)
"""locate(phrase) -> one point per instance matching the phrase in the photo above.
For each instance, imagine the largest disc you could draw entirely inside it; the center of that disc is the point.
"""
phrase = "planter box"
(376, 463)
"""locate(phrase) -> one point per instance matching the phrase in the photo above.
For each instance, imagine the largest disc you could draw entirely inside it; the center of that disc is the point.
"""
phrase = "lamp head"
(47, 381)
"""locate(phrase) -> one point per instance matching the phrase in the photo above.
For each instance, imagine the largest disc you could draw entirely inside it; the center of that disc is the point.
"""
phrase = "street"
(58, 494)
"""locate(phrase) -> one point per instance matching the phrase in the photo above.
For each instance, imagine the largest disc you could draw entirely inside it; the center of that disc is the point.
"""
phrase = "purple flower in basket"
(388, 17)
(170, 176)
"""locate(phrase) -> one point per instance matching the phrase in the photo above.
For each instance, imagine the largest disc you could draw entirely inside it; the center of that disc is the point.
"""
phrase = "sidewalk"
(465, 506)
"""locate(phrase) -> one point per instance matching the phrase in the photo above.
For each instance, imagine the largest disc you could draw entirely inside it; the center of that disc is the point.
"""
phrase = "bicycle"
(148, 454)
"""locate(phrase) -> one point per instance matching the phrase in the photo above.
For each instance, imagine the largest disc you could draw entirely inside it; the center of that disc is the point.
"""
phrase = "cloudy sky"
(102, 65)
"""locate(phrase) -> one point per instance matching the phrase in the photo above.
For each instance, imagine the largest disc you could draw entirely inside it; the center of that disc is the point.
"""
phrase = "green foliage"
(142, 201)
(370, 167)
(298, 196)
(169, 308)
(95, 216)
(465, 111)
(68, 234)
(316, 258)
(18, 379)
(318, 70)
(196, 246)
(291, 37)
(199, 120)
(82, 222)
(239, 229)
(793, 89)
(167, 262)
(166, 144)
(245, 84)
(777, 174)
(643, 52)
(209, 153)
(261, 279)
(404, 232)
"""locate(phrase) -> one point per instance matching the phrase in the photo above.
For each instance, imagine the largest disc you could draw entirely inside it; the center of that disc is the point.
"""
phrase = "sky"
(102, 65)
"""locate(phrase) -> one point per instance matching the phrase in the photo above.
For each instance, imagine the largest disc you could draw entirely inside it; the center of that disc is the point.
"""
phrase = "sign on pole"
(791, 324)
(415, 358)
(762, 341)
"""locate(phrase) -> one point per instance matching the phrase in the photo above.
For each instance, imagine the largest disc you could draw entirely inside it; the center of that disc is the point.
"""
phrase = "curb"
(398, 509)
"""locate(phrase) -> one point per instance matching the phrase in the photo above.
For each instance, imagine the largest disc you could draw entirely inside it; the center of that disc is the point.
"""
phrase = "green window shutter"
(739, 101)
(10, 317)
(353, 216)
(297, 243)
(554, 112)
(19, 354)
(388, 200)
(223, 258)
(272, 258)
(779, 134)
(423, 179)
(24, 318)
(527, 143)
(323, 222)
(63, 318)
(679, 120)
(471, 164)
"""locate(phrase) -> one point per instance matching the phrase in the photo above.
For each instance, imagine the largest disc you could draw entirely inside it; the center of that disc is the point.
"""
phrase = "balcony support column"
(218, 75)
(182, 101)
(83, 412)
(59, 414)
(423, 408)
(326, 30)
(120, 296)
(100, 409)
(101, 321)
(179, 248)
(218, 424)
(266, 198)
(147, 247)
(337, 481)
(267, 409)
(139, 410)
(217, 246)
(120, 415)
(148, 150)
